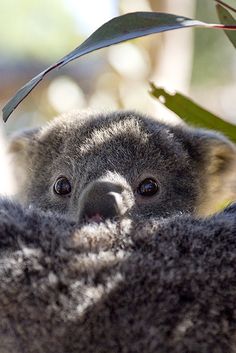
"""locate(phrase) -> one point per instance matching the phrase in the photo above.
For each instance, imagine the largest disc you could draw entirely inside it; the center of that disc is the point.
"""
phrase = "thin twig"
(226, 5)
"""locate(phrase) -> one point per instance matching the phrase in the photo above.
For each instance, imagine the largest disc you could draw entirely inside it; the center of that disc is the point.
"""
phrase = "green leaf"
(192, 113)
(117, 30)
(226, 18)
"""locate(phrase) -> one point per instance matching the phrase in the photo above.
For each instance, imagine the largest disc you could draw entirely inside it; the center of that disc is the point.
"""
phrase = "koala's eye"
(62, 186)
(148, 187)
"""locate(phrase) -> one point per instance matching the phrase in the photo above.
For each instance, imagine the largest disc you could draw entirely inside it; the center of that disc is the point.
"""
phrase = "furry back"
(158, 287)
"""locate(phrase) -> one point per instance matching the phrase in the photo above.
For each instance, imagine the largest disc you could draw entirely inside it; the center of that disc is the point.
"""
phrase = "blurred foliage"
(33, 33)
(192, 113)
(117, 30)
(41, 30)
(214, 57)
(226, 17)
(188, 110)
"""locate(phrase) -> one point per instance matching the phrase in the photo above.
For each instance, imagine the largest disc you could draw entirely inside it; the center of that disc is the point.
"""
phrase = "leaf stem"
(226, 27)
(226, 5)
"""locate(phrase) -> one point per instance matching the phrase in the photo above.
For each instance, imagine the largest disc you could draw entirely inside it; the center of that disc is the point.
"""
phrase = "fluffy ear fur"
(19, 150)
(20, 141)
(218, 158)
(220, 152)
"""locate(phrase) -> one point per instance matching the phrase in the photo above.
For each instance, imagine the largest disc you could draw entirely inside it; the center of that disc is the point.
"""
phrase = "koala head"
(98, 166)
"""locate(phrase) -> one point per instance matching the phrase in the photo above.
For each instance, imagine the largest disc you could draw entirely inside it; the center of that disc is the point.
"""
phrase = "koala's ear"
(218, 153)
(19, 151)
(216, 161)
(20, 148)
(19, 143)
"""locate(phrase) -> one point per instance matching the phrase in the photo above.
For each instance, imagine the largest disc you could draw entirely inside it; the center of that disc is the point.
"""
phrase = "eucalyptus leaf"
(117, 30)
(226, 18)
(192, 113)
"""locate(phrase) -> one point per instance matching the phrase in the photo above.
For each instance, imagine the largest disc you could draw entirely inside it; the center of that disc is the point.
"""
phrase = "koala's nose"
(101, 200)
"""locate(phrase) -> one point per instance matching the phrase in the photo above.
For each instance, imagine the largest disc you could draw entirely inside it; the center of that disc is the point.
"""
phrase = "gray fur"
(195, 169)
(158, 286)
(144, 282)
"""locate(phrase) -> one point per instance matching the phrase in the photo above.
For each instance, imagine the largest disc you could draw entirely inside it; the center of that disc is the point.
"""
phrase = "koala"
(155, 286)
(93, 167)
(107, 252)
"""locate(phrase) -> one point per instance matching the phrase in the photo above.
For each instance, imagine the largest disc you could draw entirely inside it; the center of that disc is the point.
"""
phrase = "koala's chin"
(94, 167)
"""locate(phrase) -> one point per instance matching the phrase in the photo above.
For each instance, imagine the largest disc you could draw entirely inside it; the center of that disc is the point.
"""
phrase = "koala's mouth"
(95, 218)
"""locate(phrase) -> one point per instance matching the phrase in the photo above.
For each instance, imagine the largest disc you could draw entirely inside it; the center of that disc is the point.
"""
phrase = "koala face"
(105, 165)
